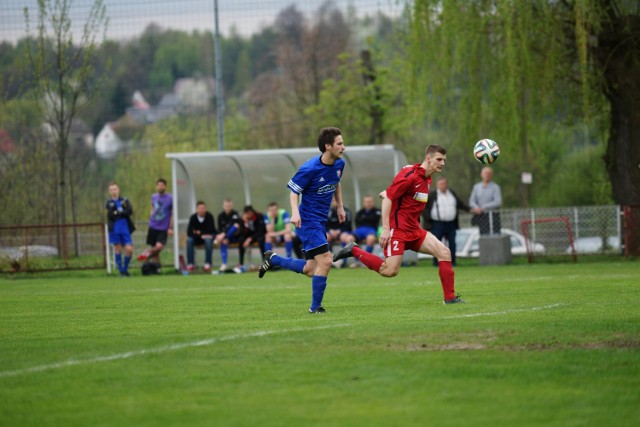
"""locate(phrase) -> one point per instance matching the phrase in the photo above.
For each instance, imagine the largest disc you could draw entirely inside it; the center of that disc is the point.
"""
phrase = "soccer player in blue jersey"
(119, 211)
(318, 182)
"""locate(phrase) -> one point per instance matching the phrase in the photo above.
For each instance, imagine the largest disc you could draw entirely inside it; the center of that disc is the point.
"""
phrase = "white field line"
(158, 350)
(500, 313)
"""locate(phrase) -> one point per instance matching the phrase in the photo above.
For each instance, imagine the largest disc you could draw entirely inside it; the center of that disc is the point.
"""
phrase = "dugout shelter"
(258, 177)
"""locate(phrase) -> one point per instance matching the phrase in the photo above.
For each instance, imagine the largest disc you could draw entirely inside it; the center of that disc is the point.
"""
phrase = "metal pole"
(219, 98)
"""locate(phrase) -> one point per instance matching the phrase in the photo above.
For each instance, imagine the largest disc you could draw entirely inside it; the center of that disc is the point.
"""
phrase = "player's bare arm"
(386, 211)
(342, 216)
(294, 199)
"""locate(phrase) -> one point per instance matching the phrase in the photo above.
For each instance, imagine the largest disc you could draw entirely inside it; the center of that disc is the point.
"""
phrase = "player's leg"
(117, 251)
(437, 230)
(151, 241)
(319, 280)
(128, 252)
(190, 253)
(431, 245)
(224, 253)
(208, 252)
(296, 265)
(288, 243)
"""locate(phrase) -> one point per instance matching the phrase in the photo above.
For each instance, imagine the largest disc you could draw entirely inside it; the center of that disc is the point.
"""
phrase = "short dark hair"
(272, 204)
(327, 136)
(200, 202)
(435, 148)
(248, 209)
(162, 180)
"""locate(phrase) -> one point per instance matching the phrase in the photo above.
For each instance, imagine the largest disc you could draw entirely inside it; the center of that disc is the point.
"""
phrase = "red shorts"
(401, 240)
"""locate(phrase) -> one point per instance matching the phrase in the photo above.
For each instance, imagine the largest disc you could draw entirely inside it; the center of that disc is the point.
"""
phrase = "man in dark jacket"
(440, 215)
(119, 211)
(200, 231)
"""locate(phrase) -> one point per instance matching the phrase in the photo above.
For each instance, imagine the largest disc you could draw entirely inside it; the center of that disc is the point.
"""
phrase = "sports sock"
(288, 248)
(447, 279)
(318, 285)
(268, 246)
(292, 264)
(223, 252)
(371, 261)
(369, 248)
(119, 262)
(231, 231)
(126, 262)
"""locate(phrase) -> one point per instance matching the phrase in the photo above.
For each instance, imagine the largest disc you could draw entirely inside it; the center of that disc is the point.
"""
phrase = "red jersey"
(409, 193)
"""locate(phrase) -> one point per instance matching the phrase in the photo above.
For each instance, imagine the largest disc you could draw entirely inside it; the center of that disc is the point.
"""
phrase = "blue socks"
(126, 262)
(223, 252)
(268, 246)
(295, 265)
(119, 262)
(288, 247)
(318, 285)
(369, 248)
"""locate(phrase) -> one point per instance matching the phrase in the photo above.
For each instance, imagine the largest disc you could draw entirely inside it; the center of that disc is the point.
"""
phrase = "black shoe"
(455, 300)
(266, 265)
(318, 310)
(344, 252)
(124, 274)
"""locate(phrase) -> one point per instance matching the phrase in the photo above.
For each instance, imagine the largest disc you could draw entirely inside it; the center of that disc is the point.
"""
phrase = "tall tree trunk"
(618, 55)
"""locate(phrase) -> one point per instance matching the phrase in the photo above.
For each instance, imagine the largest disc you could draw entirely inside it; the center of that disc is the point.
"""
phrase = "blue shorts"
(120, 238)
(361, 233)
(314, 238)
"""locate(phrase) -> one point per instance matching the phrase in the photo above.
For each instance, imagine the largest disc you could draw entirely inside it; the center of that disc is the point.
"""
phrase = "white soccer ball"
(486, 151)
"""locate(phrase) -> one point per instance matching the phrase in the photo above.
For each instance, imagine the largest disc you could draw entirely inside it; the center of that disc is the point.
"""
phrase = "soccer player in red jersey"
(402, 204)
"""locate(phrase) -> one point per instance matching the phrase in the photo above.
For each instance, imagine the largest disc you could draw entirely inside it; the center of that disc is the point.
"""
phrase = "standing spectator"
(367, 222)
(119, 211)
(485, 199)
(441, 215)
(229, 230)
(253, 230)
(200, 231)
(160, 222)
(278, 224)
(318, 181)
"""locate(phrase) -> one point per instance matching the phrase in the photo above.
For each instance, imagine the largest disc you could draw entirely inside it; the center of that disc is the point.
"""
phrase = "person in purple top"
(160, 222)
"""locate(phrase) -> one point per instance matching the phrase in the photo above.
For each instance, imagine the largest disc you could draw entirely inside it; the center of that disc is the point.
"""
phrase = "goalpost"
(555, 229)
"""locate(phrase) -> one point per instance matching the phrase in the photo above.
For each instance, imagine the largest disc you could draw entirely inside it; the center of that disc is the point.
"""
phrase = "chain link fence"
(545, 232)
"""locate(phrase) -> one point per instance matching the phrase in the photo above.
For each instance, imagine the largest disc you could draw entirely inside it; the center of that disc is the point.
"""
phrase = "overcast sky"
(127, 18)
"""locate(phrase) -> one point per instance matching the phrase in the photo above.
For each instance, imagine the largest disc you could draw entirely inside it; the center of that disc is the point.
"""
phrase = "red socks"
(446, 277)
(371, 261)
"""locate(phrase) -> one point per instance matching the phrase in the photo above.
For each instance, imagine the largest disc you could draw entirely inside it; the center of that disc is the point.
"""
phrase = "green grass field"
(549, 344)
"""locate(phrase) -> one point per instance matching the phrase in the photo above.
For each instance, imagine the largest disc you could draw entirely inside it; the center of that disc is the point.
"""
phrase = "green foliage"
(499, 70)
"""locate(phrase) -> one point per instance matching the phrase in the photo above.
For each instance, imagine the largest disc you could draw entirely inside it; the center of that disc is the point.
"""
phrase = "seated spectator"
(200, 231)
(367, 223)
(338, 232)
(229, 230)
(279, 228)
(253, 231)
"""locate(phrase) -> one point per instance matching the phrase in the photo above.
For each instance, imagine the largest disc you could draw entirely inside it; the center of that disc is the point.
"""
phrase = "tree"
(64, 74)
(526, 72)
(510, 68)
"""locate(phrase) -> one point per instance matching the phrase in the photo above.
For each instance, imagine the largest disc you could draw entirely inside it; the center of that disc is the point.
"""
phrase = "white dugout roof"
(258, 177)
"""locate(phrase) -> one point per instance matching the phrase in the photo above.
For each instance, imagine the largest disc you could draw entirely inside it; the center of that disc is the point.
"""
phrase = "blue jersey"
(316, 182)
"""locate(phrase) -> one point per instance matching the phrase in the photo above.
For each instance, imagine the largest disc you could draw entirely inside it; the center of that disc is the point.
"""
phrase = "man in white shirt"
(441, 215)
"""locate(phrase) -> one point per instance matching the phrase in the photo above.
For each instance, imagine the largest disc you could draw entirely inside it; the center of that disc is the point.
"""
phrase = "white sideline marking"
(157, 350)
(499, 313)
